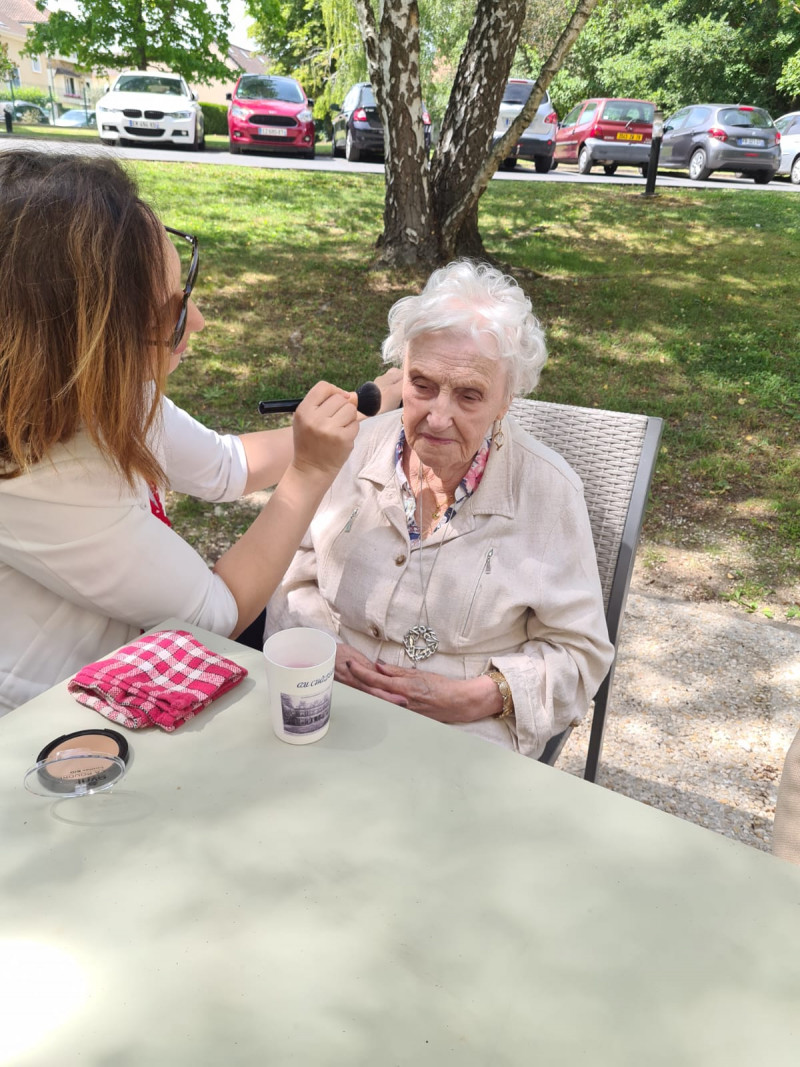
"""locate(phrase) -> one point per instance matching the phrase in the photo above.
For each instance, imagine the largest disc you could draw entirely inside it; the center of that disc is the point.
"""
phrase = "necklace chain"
(421, 641)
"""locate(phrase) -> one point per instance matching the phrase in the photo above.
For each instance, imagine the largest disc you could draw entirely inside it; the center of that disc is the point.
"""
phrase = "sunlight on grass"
(682, 306)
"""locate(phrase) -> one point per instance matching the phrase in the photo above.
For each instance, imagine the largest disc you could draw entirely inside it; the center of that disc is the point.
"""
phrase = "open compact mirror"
(79, 764)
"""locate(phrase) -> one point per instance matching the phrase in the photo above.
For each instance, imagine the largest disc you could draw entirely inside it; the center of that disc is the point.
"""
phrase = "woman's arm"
(324, 429)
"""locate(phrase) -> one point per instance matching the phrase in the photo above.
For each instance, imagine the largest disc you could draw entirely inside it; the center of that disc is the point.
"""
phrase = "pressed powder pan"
(79, 764)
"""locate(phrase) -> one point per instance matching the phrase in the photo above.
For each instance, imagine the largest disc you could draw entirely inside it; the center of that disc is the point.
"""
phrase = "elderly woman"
(452, 558)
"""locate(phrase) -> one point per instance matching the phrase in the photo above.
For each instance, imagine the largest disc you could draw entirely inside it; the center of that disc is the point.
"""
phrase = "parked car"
(268, 111)
(708, 137)
(76, 117)
(539, 139)
(788, 126)
(608, 131)
(357, 126)
(26, 113)
(153, 107)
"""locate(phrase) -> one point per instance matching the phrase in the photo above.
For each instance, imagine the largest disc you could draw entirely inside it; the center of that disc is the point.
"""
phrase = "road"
(523, 172)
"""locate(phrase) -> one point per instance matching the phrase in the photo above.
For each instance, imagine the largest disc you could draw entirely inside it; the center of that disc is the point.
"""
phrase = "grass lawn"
(683, 306)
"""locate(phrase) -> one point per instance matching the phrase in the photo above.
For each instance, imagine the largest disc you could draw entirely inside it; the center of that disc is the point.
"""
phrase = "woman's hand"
(434, 695)
(324, 429)
(391, 386)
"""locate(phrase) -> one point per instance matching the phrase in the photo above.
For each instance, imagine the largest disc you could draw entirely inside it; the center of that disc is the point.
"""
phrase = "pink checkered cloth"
(162, 679)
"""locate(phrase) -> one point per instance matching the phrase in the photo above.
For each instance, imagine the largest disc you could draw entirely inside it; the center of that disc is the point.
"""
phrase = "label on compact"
(79, 764)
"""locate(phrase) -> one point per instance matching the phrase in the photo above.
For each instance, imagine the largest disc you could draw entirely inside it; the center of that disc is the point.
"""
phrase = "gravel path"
(705, 704)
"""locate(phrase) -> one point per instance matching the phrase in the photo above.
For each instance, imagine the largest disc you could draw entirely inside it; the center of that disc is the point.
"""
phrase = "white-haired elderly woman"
(452, 558)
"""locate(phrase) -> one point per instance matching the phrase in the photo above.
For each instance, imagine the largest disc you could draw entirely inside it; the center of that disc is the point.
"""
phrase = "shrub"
(34, 95)
(216, 118)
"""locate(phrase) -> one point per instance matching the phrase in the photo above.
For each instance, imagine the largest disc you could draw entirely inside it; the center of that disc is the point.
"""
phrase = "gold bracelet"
(505, 692)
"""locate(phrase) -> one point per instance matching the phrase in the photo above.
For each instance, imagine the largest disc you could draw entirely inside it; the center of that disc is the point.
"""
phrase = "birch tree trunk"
(431, 212)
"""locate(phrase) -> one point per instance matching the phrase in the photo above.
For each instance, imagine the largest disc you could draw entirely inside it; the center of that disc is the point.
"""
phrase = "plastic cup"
(300, 664)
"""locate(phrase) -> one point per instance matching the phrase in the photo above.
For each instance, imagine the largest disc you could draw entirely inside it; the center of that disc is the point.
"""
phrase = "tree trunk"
(469, 123)
(431, 215)
(392, 47)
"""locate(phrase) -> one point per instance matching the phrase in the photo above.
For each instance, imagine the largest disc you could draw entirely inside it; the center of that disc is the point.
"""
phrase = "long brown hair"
(83, 304)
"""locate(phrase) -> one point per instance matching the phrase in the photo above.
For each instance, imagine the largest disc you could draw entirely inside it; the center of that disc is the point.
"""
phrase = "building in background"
(57, 76)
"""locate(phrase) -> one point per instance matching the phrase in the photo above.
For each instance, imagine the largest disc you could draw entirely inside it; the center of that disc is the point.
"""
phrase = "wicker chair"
(614, 454)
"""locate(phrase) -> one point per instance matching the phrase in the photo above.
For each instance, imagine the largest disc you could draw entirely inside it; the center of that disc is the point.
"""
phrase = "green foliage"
(678, 52)
(216, 118)
(180, 35)
(30, 93)
(292, 33)
(6, 66)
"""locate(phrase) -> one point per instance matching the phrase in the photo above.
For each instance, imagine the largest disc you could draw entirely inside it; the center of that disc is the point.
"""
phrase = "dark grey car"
(704, 138)
(357, 126)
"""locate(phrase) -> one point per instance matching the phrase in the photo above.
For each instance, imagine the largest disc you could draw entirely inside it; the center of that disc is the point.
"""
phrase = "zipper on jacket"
(485, 569)
(349, 524)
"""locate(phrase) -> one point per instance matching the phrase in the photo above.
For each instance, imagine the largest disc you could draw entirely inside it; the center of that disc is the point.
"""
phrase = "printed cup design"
(300, 667)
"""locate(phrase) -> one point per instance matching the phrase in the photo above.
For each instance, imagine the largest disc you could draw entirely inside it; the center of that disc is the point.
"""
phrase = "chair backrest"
(614, 454)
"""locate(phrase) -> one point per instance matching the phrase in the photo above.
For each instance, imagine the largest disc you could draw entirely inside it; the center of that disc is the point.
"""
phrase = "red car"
(606, 131)
(268, 111)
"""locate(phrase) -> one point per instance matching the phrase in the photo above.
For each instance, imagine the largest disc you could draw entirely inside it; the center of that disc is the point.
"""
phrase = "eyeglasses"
(180, 325)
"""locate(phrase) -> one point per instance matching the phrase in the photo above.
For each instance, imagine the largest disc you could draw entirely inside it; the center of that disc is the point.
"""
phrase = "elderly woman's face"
(452, 394)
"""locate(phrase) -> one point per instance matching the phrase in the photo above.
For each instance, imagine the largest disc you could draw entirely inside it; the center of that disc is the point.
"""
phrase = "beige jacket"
(514, 583)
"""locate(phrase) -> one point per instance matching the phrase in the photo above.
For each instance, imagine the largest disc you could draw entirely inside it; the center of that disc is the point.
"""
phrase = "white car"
(538, 141)
(150, 107)
(789, 128)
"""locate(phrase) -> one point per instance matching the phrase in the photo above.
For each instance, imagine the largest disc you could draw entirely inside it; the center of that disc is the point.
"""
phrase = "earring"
(498, 437)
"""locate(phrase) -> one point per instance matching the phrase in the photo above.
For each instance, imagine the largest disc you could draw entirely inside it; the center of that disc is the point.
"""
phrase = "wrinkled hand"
(433, 695)
(324, 429)
(391, 386)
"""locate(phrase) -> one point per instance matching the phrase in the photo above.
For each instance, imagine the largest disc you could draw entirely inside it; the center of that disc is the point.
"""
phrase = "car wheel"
(509, 163)
(698, 166)
(334, 149)
(351, 153)
(794, 173)
(199, 143)
(554, 164)
(311, 153)
(610, 168)
(644, 169)
(763, 177)
(584, 160)
(543, 164)
(234, 148)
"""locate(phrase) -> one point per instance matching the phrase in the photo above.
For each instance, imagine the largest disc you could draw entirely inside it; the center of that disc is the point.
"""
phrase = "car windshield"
(628, 111)
(517, 93)
(261, 87)
(744, 116)
(148, 83)
(74, 115)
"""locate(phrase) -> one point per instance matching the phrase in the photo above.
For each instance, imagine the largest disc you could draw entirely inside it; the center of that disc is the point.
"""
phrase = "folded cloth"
(162, 679)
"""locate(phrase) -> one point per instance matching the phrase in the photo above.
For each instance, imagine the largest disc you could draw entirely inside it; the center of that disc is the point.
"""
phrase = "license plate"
(273, 131)
(756, 142)
(141, 124)
(629, 137)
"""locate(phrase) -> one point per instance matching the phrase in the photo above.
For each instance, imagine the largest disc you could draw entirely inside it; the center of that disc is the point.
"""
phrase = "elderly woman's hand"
(434, 695)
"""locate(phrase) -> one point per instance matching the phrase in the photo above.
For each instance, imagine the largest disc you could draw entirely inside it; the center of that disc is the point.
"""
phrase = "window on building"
(16, 81)
(70, 89)
(36, 64)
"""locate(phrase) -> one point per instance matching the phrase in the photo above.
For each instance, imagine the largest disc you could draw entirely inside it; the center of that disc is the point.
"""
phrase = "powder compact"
(79, 764)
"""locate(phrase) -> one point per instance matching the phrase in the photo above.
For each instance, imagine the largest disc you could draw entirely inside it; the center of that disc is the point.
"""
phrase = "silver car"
(704, 138)
(539, 140)
(788, 126)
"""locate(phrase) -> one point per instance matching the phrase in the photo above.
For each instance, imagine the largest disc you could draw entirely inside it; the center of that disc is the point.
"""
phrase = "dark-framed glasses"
(180, 325)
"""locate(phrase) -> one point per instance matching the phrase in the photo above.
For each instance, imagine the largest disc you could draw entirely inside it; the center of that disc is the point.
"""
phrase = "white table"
(398, 893)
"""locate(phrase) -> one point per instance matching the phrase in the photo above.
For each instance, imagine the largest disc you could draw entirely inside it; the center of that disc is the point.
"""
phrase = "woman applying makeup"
(94, 314)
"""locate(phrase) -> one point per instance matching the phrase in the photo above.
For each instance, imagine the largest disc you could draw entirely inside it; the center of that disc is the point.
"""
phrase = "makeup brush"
(369, 402)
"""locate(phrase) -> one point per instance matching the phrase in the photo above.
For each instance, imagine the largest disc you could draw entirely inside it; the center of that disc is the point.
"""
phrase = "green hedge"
(29, 93)
(216, 118)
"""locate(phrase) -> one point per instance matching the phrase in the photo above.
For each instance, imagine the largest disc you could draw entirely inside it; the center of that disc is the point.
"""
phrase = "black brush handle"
(369, 402)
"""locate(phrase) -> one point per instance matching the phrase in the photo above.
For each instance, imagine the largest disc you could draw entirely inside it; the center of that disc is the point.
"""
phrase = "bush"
(216, 118)
(33, 95)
